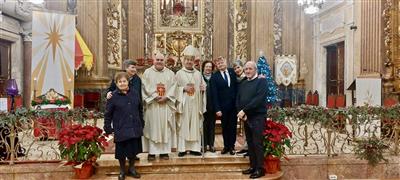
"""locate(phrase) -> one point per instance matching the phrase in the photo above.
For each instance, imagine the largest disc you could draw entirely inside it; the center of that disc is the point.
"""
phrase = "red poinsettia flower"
(276, 138)
(79, 143)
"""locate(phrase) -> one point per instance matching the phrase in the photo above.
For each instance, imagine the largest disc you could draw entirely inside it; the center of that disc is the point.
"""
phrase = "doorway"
(335, 69)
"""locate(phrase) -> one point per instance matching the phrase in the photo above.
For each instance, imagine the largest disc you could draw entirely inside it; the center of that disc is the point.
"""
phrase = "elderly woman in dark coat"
(209, 116)
(124, 118)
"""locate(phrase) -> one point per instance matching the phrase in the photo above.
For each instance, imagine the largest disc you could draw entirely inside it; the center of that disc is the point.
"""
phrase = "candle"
(34, 83)
(34, 87)
(70, 90)
(192, 40)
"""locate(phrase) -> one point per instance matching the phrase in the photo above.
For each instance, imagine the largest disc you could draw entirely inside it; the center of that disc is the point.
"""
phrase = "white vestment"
(159, 133)
(190, 110)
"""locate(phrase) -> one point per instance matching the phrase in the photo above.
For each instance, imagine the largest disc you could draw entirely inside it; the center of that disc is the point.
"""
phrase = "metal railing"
(322, 131)
(31, 135)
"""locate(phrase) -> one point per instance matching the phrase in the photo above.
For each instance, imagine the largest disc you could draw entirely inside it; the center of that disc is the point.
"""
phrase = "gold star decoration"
(54, 38)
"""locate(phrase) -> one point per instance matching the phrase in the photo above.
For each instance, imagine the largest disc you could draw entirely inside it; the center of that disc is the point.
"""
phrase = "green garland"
(23, 115)
(316, 114)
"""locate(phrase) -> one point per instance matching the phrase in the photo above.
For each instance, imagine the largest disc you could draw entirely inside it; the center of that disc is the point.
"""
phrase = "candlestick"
(34, 87)
(70, 89)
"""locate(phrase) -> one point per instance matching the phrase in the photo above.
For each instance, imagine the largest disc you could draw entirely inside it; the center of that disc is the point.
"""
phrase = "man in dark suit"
(223, 88)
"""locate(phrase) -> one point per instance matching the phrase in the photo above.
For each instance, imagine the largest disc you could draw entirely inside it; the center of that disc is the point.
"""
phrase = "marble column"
(27, 59)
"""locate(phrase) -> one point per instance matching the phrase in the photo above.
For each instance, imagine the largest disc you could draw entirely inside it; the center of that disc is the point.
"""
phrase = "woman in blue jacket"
(124, 118)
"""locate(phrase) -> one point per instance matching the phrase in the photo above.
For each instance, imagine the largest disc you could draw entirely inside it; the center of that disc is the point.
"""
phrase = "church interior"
(334, 65)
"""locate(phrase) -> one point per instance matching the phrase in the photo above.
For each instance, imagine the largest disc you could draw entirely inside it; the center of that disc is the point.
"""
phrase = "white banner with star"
(53, 54)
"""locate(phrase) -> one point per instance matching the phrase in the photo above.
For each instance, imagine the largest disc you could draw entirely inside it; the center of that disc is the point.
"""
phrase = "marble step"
(212, 162)
(186, 176)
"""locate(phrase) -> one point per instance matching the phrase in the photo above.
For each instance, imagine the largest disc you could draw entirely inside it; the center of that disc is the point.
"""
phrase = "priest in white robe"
(191, 105)
(158, 90)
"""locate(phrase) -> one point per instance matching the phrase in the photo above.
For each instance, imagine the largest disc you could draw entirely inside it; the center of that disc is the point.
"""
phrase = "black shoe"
(232, 152)
(246, 154)
(212, 149)
(181, 154)
(121, 176)
(151, 157)
(195, 153)
(137, 158)
(224, 151)
(164, 156)
(257, 173)
(242, 151)
(133, 173)
(248, 171)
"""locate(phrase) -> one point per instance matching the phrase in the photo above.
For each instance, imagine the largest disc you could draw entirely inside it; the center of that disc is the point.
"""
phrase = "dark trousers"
(254, 127)
(229, 123)
(209, 128)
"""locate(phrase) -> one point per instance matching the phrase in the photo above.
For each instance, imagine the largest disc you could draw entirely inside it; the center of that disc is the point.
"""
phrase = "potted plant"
(81, 146)
(370, 149)
(276, 139)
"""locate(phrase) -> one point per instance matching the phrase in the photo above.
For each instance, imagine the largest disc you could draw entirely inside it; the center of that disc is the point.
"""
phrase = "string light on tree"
(265, 70)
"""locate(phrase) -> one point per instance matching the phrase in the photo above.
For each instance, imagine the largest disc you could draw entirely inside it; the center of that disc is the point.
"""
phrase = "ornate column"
(114, 34)
(277, 28)
(241, 31)
(148, 27)
(27, 51)
(391, 54)
(208, 29)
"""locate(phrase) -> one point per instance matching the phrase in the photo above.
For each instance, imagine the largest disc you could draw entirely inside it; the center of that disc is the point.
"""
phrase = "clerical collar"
(254, 77)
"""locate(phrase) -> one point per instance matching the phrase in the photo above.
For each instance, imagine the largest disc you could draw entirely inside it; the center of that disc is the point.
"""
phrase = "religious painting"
(286, 70)
(173, 15)
(53, 54)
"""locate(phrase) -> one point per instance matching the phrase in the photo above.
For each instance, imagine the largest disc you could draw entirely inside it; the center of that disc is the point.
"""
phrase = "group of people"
(164, 110)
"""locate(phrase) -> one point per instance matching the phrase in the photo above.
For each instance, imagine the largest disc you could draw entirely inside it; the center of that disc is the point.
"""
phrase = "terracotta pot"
(272, 164)
(85, 172)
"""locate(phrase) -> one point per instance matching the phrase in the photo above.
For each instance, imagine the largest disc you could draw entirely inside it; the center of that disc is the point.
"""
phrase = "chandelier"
(311, 6)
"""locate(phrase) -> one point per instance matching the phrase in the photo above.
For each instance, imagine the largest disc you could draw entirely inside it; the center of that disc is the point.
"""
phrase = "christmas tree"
(265, 70)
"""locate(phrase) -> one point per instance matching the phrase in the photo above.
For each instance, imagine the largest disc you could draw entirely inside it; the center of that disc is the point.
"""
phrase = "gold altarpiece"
(177, 24)
(391, 75)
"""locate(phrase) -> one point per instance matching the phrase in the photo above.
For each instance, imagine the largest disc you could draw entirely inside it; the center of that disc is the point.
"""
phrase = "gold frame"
(161, 29)
(391, 60)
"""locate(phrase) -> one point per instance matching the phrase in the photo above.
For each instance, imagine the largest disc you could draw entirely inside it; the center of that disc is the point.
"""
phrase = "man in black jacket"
(251, 105)
(223, 91)
(134, 80)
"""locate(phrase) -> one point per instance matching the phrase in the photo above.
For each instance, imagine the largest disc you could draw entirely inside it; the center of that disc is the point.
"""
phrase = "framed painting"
(286, 70)
(174, 15)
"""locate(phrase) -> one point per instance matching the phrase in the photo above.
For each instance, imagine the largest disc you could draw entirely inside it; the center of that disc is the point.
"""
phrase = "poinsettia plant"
(276, 139)
(79, 144)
